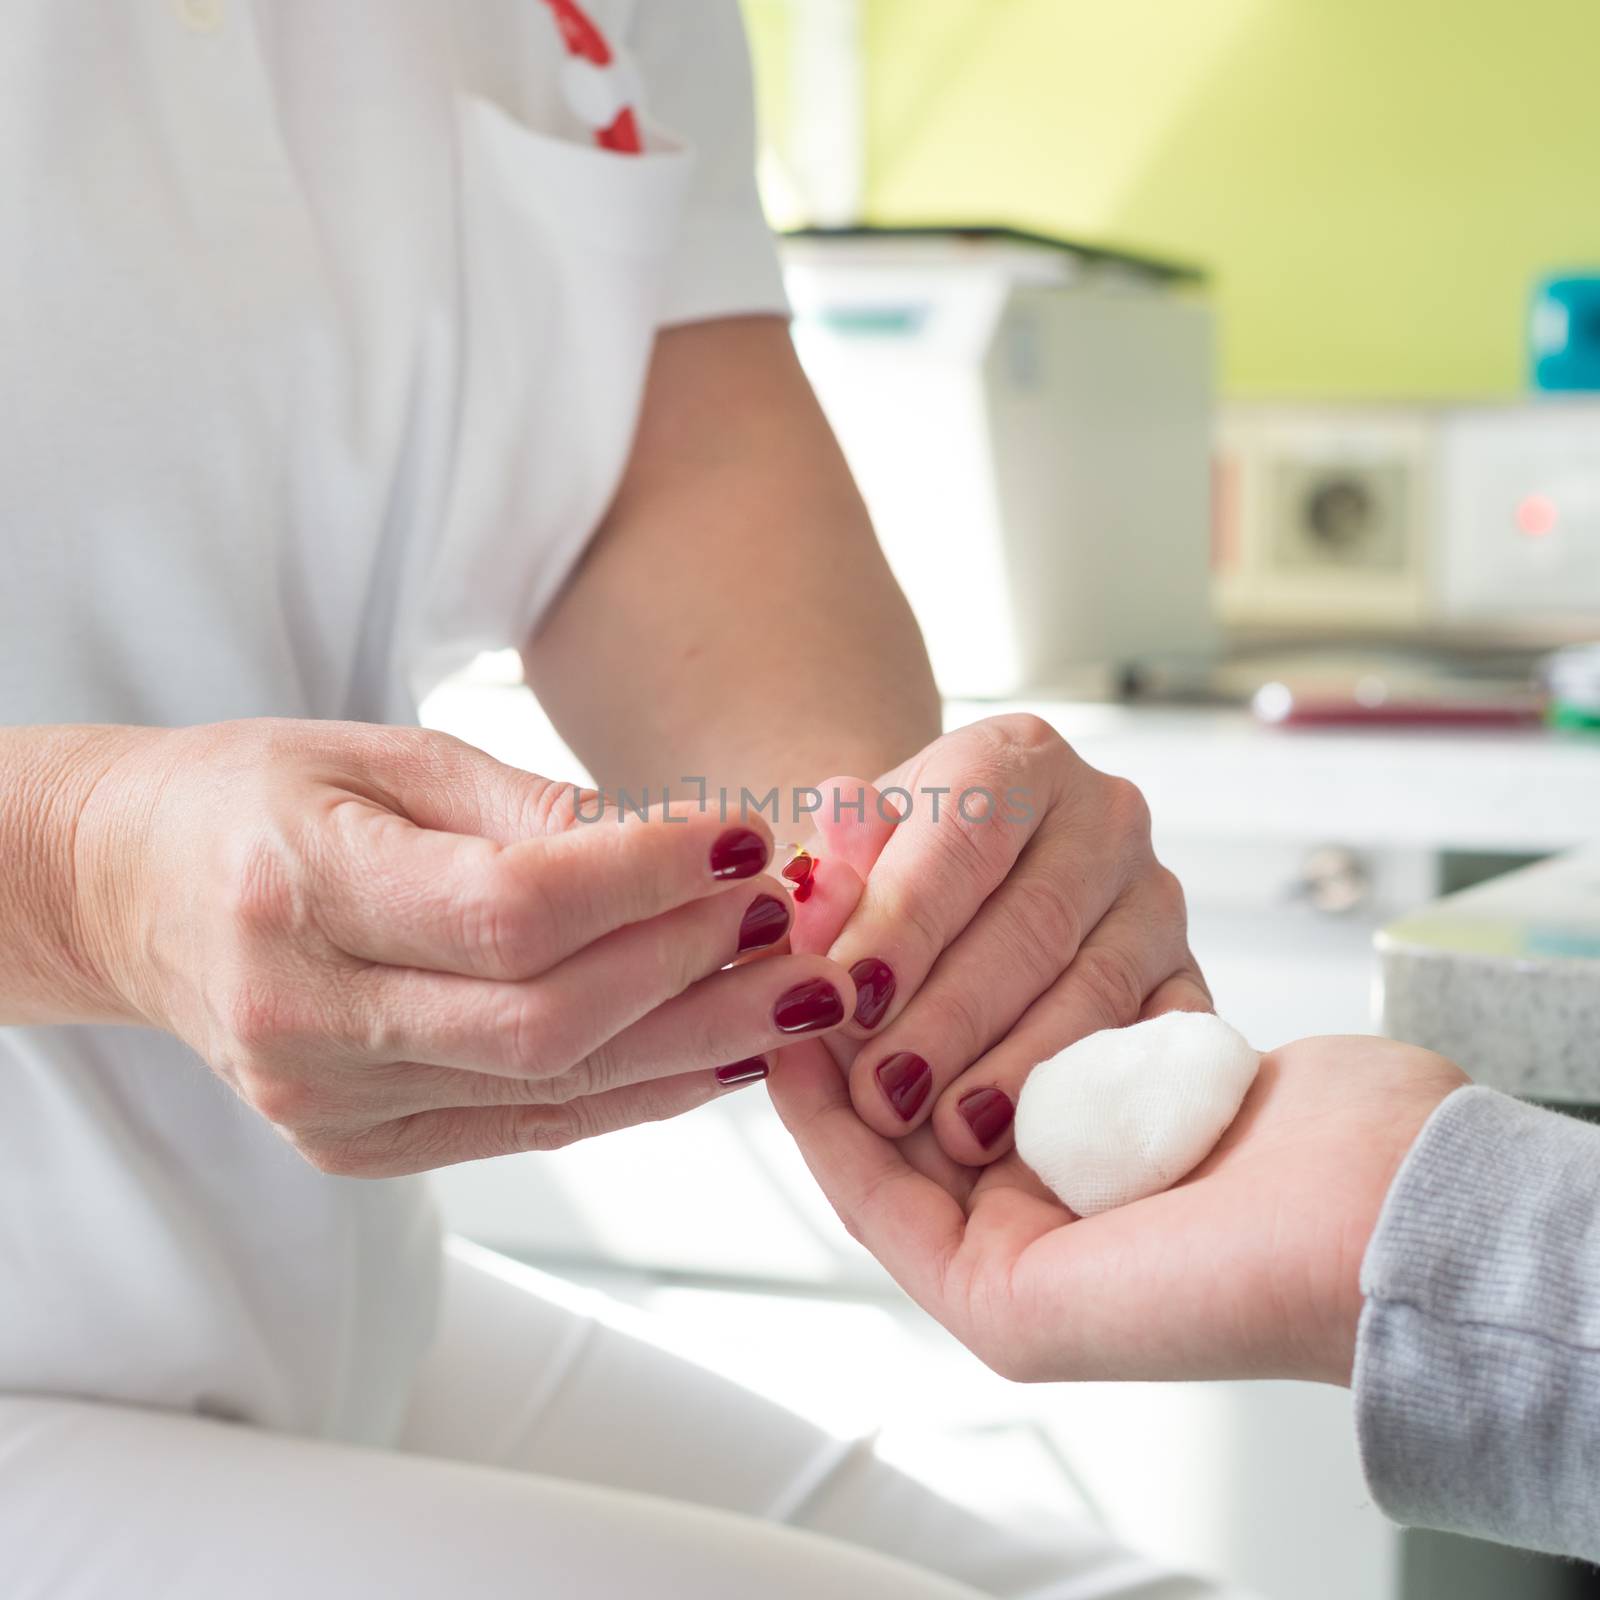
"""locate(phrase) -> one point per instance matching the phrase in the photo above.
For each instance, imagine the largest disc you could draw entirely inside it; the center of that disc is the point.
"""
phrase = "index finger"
(400, 895)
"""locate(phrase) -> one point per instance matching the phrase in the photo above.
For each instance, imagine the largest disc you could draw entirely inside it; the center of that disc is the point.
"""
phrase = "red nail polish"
(765, 923)
(988, 1113)
(874, 981)
(808, 1006)
(906, 1080)
(802, 872)
(743, 1072)
(739, 853)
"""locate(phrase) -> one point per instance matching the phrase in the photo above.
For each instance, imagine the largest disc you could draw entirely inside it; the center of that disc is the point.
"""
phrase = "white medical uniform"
(323, 327)
(322, 332)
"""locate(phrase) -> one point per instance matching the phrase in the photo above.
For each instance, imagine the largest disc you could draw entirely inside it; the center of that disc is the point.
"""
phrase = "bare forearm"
(735, 620)
(47, 775)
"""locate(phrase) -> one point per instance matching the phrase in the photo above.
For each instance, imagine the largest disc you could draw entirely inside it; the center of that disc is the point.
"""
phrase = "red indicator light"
(1536, 516)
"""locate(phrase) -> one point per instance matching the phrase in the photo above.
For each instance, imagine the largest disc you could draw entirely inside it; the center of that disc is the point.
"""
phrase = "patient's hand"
(1248, 1267)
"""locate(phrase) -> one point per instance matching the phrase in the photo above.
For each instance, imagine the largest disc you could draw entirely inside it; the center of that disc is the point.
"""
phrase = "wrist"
(78, 856)
(1406, 1121)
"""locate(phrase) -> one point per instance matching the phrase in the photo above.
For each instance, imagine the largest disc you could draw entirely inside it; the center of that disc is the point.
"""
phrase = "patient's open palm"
(1248, 1267)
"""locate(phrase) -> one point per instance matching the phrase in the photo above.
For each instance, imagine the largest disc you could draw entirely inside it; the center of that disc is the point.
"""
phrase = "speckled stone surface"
(1505, 979)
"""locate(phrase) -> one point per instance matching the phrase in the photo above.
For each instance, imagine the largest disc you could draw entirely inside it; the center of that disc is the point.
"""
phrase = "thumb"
(454, 787)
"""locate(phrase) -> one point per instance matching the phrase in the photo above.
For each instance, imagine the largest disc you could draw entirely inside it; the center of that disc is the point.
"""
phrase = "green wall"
(1373, 182)
(767, 22)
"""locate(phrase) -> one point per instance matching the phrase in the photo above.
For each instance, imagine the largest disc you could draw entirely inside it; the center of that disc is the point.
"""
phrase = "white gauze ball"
(1125, 1113)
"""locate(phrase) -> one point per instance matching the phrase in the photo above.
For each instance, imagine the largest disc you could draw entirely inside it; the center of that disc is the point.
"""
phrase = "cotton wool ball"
(1125, 1113)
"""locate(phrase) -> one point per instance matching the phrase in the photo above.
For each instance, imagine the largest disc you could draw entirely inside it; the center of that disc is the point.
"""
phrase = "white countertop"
(1504, 978)
(1220, 772)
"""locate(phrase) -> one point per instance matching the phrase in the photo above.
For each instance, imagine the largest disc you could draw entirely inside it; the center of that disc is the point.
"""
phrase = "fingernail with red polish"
(808, 1006)
(765, 923)
(874, 981)
(988, 1113)
(739, 853)
(905, 1080)
(742, 1072)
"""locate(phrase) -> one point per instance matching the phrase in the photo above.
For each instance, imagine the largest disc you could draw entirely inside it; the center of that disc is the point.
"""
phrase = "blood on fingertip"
(802, 873)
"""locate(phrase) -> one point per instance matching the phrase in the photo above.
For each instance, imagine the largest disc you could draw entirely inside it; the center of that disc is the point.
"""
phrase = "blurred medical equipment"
(1379, 685)
(1475, 524)
(1573, 679)
(1030, 423)
(1564, 333)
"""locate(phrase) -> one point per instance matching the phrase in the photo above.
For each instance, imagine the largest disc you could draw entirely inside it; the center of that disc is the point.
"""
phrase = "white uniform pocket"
(563, 251)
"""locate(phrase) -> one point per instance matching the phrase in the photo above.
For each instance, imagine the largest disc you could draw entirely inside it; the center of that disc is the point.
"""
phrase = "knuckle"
(960, 1017)
(1126, 808)
(915, 914)
(1112, 982)
(502, 923)
(970, 836)
(682, 962)
(1190, 981)
(1026, 730)
(583, 1118)
(558, 807)
(600, 1070)
(466, 783)
(525, 1092)
(370, 1032)
(260, 894)
(521, 1037)
(1048, 918)
(285, 1101)
(1016, 741)
(436, 758)
(258, 1015)
(545, 1130)
(651, 1108)
(1170, 898)
(666, 961)
(969, 859)
(1167, 884)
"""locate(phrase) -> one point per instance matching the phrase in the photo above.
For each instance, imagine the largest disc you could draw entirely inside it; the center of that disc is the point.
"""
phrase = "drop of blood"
(802, 872)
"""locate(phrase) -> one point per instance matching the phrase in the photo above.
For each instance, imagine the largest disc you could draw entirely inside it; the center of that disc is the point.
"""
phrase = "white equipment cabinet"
(1030, 424)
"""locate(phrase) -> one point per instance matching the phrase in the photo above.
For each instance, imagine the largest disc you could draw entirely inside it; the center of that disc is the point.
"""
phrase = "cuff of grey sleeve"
(1477, 1373)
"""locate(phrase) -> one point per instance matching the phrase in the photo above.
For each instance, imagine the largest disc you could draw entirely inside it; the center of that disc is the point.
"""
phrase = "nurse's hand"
(993, 932)
(404, 954)
(1248, 1268)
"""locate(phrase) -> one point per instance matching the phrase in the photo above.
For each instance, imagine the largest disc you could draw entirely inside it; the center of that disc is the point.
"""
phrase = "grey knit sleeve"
(1477, 1374)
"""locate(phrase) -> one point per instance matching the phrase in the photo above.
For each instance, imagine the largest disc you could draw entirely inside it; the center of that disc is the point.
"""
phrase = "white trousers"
(550, 1454)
